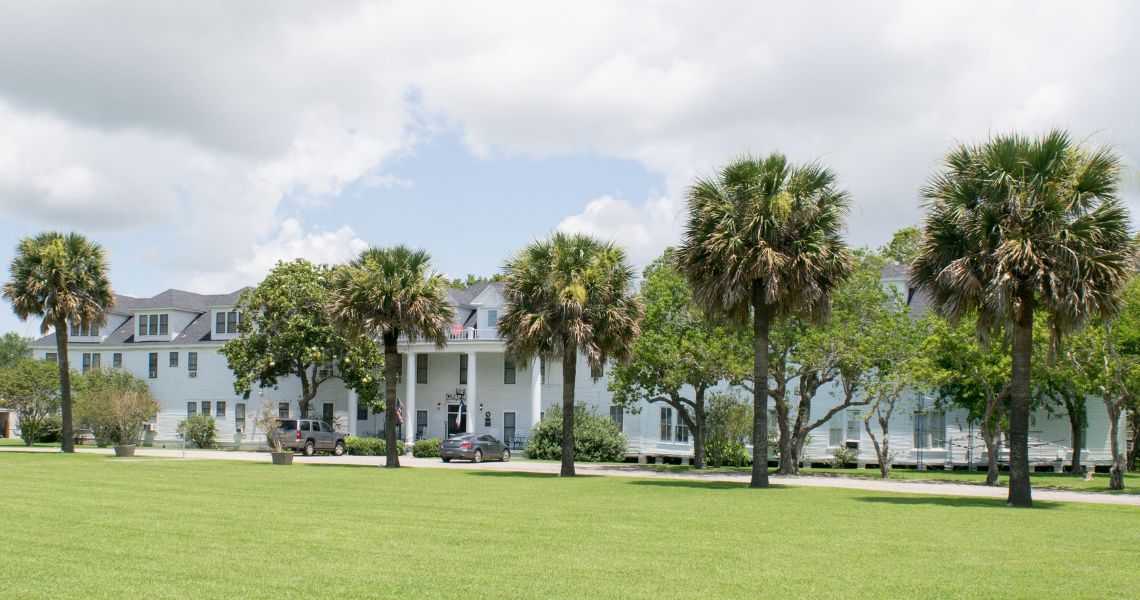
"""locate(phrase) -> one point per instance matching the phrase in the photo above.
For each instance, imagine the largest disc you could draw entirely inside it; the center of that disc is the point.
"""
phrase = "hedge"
(596, 437)
(369, 446)
(426, 448)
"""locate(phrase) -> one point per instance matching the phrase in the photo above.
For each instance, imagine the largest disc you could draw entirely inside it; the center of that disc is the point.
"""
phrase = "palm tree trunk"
(1116, 471)
(1020, 494)
(391, 365)
(1075, 435)
(761, 326)
(569, 372)
(700, 461)
(66, 432)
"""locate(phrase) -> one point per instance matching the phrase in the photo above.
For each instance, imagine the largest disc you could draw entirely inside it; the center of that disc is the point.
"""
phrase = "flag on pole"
(459, 415)
(399, 411)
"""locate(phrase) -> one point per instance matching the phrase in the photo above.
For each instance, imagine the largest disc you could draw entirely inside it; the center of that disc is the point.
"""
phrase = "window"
(681, 429)
(835, 431)
(219, 409)
(220, 322)
(226, 321)
(163, 322)
(78, 330)
(618, 415)
(327, 412)
(666, 424)
(117, 360)
(930, 429)
(508, 426)
(844, 429)
(421, 368)
(239, 415)
(191, 409)
(508, 371)
(542, 370)
(853, 430)
(232, 322)
(421, 424)
(205, 407)
(463, 369)
(597, 372)
(152, 365)
(86, 362)
(173, 360)
(152, 325)
(305, 426)
(192, 363)
(143, 319)
(91, 360)
(361, 412)
(283, 410)
(492, 318)
(51, 357)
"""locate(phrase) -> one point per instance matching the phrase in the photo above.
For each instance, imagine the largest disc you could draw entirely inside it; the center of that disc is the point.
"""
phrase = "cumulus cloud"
(288, 242)
(216, 121)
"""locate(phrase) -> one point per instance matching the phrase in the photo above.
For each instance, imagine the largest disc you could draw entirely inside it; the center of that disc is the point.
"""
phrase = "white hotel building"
(172, 340)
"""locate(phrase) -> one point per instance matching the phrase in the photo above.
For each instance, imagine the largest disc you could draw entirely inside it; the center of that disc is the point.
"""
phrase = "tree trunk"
(569, 372)
(787, 454)
(760, 330)
(882, 451)
(700, 461)
(1116, 472)
(391, 366)
(1020, 494)
(309, 389)
(66, 430)
(1078, 441)
(1135, 458)
(992, 451)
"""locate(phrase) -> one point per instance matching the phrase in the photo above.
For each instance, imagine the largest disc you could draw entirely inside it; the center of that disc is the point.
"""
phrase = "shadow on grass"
(952, 501)
(702, 485)
(516, 474)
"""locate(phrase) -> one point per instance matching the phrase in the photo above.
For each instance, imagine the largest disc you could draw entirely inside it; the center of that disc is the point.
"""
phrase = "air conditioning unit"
(152, 427)
(193, 374)
(239, 429)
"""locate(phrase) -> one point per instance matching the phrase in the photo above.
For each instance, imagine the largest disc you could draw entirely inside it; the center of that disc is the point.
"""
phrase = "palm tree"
(566, 296)
(763, 240)
(61, 278)
(1019, 224)
(389, 292)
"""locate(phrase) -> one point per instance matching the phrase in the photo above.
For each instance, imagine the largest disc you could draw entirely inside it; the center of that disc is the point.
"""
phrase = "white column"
(472, 398)
(410, 401)
(352, 402)
(535, 393)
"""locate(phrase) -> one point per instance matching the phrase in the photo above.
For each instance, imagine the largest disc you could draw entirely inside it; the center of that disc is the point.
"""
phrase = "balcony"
(462, 334)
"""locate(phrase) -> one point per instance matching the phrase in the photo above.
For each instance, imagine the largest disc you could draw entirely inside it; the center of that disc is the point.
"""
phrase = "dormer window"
(492, 317)
(78, 330)
(154, 324)
(226, 322)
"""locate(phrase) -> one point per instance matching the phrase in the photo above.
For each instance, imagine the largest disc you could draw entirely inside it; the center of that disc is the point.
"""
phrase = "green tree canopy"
(285, 331)
(13, 349)
(681, 353)
(31, 389)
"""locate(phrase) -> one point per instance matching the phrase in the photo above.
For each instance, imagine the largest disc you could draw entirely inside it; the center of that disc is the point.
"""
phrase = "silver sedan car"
(475, 448)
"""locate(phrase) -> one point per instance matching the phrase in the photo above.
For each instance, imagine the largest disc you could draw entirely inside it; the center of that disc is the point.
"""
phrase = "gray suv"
(309, 435)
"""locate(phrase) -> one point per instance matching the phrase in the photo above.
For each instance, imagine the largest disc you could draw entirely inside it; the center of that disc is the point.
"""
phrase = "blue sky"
(200, 147)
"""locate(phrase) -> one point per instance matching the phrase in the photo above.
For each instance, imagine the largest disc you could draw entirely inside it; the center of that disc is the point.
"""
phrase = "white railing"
(459, 334)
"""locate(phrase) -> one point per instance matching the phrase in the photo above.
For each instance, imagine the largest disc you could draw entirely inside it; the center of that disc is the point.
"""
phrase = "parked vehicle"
(309, 435)
(475, 448)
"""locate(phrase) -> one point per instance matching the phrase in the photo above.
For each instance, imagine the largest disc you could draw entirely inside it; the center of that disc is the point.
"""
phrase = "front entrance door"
(453, 427)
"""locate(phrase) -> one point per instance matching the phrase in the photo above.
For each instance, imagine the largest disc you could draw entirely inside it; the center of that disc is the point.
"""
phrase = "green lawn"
(1060, 481)
(92, 526)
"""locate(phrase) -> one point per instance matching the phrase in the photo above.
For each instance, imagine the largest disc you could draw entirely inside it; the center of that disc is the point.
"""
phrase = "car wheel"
(478, 456)
(338, 450)
(447, 460)
(506, 455)
(309, 449)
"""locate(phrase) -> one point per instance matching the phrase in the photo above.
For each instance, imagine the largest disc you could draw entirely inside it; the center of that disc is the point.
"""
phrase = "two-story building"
(173, 341)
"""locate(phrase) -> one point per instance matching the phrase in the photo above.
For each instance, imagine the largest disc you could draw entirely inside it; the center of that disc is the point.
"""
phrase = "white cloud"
(213, 122)
(288, 242)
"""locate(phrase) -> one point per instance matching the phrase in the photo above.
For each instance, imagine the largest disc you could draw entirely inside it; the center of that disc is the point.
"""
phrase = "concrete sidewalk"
(552, 468)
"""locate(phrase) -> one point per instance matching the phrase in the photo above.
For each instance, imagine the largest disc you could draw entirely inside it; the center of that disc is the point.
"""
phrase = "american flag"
(399, 411)
(459, 415)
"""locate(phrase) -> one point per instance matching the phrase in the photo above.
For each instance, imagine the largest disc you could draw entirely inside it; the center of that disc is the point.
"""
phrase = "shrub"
(114, 405)
(31, 389)
(426, 448)
(47, 431)
(596, 437)
(841, 456)
(369, 446)
(728, 427)
(200, 430)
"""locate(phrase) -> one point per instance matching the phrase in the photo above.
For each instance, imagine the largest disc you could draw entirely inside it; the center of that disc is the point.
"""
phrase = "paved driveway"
(527, 466)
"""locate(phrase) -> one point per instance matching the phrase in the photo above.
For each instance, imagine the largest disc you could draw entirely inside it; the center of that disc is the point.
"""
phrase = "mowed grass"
(85, 526)
(1056, 481)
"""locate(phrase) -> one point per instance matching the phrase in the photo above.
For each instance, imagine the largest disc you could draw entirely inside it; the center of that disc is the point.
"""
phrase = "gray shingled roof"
(196, 332)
